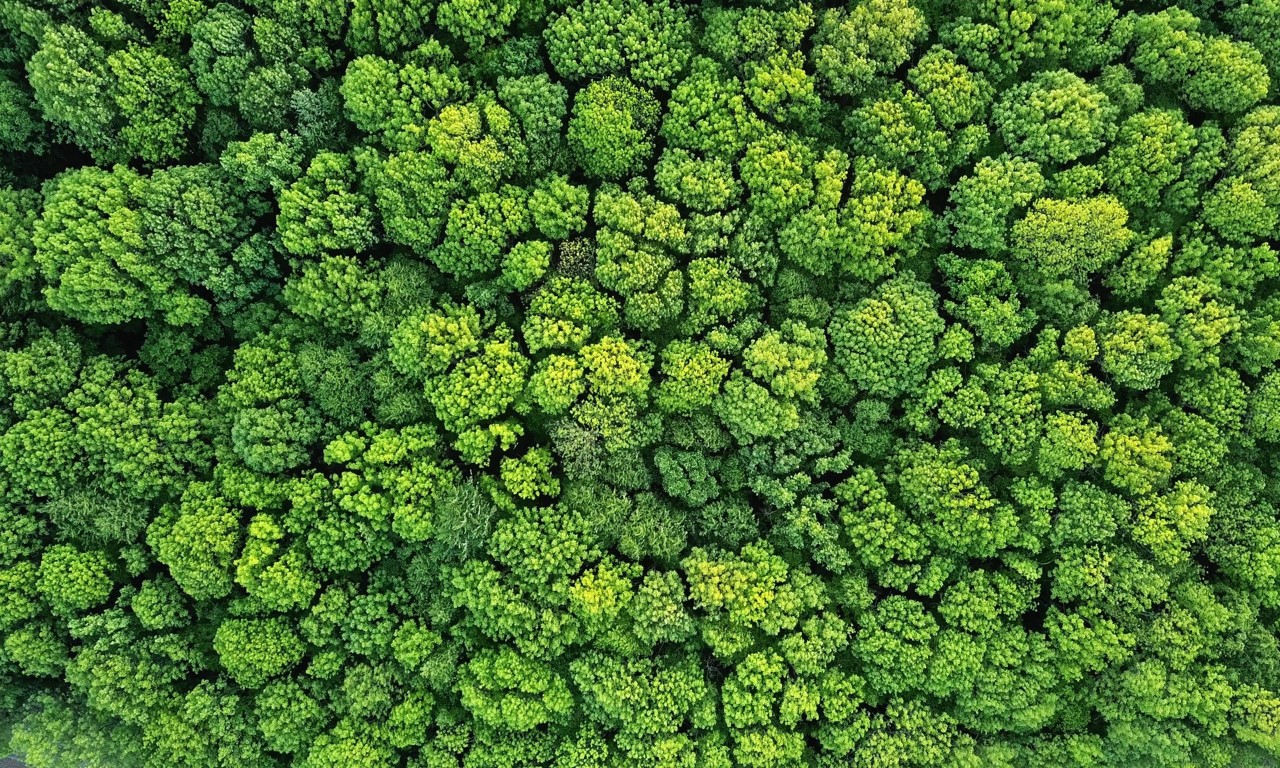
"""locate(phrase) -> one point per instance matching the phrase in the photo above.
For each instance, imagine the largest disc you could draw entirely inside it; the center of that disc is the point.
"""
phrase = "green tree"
(324, 210)
(1055, 117)
(854, 47)
(651, 41)
(611, 130)
(885, 343)
(73, 581)
(254, 650)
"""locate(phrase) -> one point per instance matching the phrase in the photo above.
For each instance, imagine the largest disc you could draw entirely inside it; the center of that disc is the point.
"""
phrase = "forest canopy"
(640, 383)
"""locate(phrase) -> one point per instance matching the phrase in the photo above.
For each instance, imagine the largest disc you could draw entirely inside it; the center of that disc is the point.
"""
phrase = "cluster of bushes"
(640, 383)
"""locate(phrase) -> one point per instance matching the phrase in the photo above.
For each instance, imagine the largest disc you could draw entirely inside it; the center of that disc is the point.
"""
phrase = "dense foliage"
(640, 383)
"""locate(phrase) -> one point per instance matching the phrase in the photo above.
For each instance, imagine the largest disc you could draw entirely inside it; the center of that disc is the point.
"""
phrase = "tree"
(18, 267)
(706, 184)
(1003, 38)
(198, 541)
(23, 130)
(1135, 455)
(73, 581)
(474, 22)
(71, 85)
(958, 95)
(255, 650)
(646, 701)
(412, 191)
(324, 211)
(1213, 73)
(885, 344)
(634, 255)
(94, 272)
(1071, 238)
(983, 295)
(1137, 350)
(157, 103)
(863, 237)
(567, 312)
(902, 131)
(894, 643)
(693, 376)
(708, 112)
(1148, 156)
(559, 208)
(852, 48)
(983, 202)
(650, 40)
(611, 130)
(1056, 117)
(478, 229)
(394, 99)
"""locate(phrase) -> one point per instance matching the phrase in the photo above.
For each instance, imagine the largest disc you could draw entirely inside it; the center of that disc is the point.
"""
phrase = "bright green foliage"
(752, 589)
(106, 258)
(639, 383)
(885, 343)
(471, 381)
(1239, 213)
(559, 208)
(567, 312)
(20, 126)
(393, 99)
(781, 370)
(478, 230)
(18, 213)
(412, 191)
(474, 22)
(265, 162)
(157, 103)
(1055, 118)
(1071, 238)
(611, 130)
(957, 94)
(872, 39)
(649, 40)
(322, 211)
(288, 717)
(701, 184)
(1211, 73)
(525, 263)
(1002, 36)
(645, 701)
(634, 255)
(1148, 156)
(539, 104)
(863, 236)
(72, 581)
(255, 650)
(961, 513)
(198, 542)
(73, 89)
(984, 297)
(692, 374)
(479, 139)
(506, 691)
(134, 102)
(983, 202)
(1137, 349)
(221, 53)
(902, 131)
(708, 112)
(894, 644)
(780, 88)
